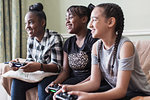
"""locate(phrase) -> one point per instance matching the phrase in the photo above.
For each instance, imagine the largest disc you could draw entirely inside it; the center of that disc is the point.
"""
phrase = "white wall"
(136, 12)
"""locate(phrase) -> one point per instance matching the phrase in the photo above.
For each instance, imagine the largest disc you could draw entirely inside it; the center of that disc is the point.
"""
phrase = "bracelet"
(42, 69)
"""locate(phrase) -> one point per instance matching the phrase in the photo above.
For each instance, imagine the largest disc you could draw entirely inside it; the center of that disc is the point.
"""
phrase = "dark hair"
(113, 10)
(38, 10)
(81, 11)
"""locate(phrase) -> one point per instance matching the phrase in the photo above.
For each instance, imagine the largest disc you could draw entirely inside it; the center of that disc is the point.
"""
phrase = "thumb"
(77, 93)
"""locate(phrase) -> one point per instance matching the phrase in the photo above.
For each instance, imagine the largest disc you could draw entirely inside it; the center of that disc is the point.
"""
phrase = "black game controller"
(65, 96)
(17, 64)
(54, 88)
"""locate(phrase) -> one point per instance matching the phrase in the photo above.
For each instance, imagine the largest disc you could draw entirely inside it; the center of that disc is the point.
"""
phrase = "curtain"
(12, 33)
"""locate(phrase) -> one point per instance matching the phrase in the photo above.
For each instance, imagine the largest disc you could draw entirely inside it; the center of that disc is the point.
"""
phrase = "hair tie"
(91, 7)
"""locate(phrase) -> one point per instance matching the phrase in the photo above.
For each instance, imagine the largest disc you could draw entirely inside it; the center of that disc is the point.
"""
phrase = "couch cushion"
(143, 49)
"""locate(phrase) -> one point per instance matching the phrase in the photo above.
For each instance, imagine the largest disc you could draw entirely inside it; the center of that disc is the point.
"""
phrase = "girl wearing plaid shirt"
(44, 52)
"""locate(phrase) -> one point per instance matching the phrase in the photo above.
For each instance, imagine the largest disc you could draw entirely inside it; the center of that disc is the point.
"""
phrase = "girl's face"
(73, 23)
(98, 23)
(33, 26)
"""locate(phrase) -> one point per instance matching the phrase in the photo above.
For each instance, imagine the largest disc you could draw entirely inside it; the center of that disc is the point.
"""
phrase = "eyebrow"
(94, 17)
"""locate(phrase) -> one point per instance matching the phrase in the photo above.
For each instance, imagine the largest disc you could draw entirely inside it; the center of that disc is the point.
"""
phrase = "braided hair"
(37, 9)
(113, 10)
(81, 11)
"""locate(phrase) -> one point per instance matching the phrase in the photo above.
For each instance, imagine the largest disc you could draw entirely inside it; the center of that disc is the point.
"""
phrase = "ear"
(43, 22)
(111, 22)
(84, 19)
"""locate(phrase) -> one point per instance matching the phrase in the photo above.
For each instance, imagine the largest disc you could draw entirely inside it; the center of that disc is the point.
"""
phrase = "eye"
(69, 18)
(30, 22)
(94, 19)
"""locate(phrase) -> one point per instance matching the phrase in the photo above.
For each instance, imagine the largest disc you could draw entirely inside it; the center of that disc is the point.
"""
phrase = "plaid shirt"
(49, 50)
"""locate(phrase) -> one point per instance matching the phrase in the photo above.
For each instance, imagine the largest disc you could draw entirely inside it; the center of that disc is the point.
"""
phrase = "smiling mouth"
(92, 31)
(69, 27)
(29, 32)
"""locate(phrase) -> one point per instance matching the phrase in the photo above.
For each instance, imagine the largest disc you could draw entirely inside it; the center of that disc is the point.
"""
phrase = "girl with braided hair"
(114, 59)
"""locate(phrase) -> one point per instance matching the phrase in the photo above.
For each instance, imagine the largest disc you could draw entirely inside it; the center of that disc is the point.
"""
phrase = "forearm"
(86, 86)
(87, 79)
(50, 67)
(62, 77)
(111, 94)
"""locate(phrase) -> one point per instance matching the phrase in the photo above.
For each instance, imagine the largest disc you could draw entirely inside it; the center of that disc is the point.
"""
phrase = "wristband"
(42, 69)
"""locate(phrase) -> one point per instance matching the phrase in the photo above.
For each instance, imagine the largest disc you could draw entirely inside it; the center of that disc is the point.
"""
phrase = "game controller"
(17, 64)
(54, 88)
(66, 96)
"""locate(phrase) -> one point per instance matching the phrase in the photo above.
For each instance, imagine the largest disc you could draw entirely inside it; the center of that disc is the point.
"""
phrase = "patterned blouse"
(79, 58)
(49, 50)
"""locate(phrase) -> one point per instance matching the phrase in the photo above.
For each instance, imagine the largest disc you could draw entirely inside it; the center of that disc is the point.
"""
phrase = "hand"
(81, 95)
(31, 67)
(11, 65)
(13, 68)
(59, 91)
(51, 84)
(63, 89)
(15, 60)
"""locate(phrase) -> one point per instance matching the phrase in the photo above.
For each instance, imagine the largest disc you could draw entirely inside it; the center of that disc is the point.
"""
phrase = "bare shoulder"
(127, 50)
(94, 48)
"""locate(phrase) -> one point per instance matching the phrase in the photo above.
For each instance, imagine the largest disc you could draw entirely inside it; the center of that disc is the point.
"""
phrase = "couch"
(142, 46)
(143, 49)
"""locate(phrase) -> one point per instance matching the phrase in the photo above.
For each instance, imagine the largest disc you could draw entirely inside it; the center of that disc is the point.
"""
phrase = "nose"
(26, 25)
(90, 24)
(67, 20)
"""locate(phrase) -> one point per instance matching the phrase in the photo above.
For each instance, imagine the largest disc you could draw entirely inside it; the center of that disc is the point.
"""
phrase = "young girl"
(44, 52)
(114, 58)
(77, 48)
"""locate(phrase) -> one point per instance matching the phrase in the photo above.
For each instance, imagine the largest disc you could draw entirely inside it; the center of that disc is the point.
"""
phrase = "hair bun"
(36, 7)
(91, 7)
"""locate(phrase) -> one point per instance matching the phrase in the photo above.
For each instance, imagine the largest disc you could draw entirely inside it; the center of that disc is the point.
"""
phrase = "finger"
(54, 96)
(74, 93)
(60, 85)
(17, 60)
(59, 91)
(64, 88)
(46, 89)
(10, 64)
(23, 67)
(14, 68)
(52, 84)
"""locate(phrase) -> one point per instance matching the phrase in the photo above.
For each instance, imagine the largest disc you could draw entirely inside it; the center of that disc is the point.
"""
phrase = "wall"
(51, 10)
(137, 22)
